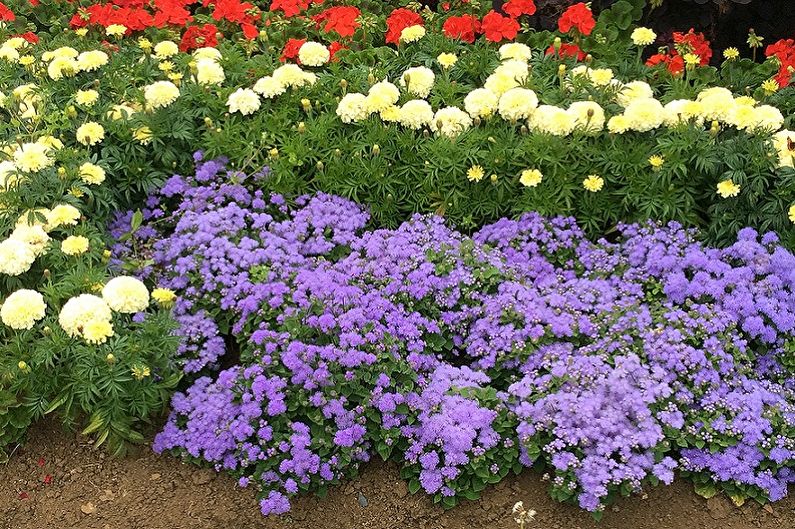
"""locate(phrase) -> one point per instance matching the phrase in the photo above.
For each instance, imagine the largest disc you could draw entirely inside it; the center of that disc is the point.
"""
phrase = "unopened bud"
(376, 150)
(306, 104)
(343, 84)
(47, 273)
(319, 165)
(557, 43)
(371, 78)
(562, 70)
(110, 358)
(302, 127)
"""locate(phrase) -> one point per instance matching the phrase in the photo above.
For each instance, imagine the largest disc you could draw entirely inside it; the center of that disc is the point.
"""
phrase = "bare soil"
(58, 481)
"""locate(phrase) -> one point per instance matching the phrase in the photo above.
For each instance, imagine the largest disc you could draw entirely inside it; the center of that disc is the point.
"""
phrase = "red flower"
(517, 8)
(5, 13)
(34, 3)
(398, 20)
(341, 19)
(784, 51)
(290, 51)
(673, 61)
(692, 42)
(199, 37)
(497, 27)
(40, 462)
(30, 37)
(577, 16)
(333, 48)
(463, 28)
(446, 6)
(250, 31)
(171, 12)
(47, 479)
(567, 50)
(290, 7)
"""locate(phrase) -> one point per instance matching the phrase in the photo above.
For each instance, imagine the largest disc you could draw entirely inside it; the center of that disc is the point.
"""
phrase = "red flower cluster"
(464, 27)
(340, 19)
(684, 43)
(497, 27)
(243, 13)
(292, 7)
(6, 14)
(290, 51)
(567, 50)
(784, 51)
(578, 16)
(199, 37)
(517, 8)
(398, 20)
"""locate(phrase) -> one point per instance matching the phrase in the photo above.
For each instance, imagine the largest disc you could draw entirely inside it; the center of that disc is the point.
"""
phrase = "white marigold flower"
(243, 100)
(22, 309)
(126, 295)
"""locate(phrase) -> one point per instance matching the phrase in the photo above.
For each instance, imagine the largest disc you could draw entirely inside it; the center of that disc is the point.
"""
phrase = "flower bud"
(476, 121)
(306, 104)
(371, 78)
(493, 178)
(376, 150)
(302, 127)
(208, 121)
(111, 359)
(274, 153)
(343, 84)
(561, 70)
(557, 43)
(319, 165)
(47, 273)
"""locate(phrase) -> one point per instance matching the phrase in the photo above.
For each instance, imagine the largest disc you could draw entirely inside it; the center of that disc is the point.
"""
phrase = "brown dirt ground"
(87, 489)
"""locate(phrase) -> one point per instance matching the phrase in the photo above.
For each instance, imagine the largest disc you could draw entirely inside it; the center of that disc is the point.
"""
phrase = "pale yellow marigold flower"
(731, 54)
(91, 173)
(126, 294)
(97, 331)
(643, 36)
(160, 94)
(164, 297)
(74, 245)
(140, 372)
(86, 98)
(656, 161)
(115, 30)
(727, 189)
(770, 86)
(792, 213)
(593, 183)
(411, 33)
(143, 135)
(530, 177)
(90, 133)
(313, 54)
(447, 60)
(475, 173)
(166, 49)
(22, 309)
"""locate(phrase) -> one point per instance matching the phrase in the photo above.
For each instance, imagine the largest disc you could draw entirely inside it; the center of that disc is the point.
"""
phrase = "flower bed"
(466, 358)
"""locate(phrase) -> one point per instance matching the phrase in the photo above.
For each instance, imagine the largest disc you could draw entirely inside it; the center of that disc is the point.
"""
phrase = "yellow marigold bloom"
(115, 30)
(475, 173)
(601, 76)
(243, 100)
(447, 60)
(80, 310)
(63, 215)
(86, 98)
(593, 183)
(91, 60)
(118, 112)
(140, 372)
(770, 86)
(691, 59)
(530, 177)
(418, 81)
(792, 213)
(618, 124)
(411, 33)
(727, 189)
(166, 49)
(9, 54)
(175, 77)
(16, 257)
(16, 43)
(34, 236)
(313, 54)
(656, 161)
(643, 36)
(27, 60)
(145, 44)
(165, 66)
(381, 96)
(164, 297)
(160, 94)
(390, 115)
(81, 32)
(143, 135)
(731, 54)
(126, 294)
(209, 72)
(74, 245)
(97, 331)
(90, 133)
(515, 50)
(22, 309)
(481, 102)
(32, 157)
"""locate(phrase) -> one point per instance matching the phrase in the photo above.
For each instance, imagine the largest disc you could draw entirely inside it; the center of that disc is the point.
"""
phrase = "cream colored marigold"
(382, 95)
(632, 91)
(518, 70)
(126, 295)
(517, 104)
(165, 297)
(644, 114)
(716, 103)
(313, 54)
(601, 76)
(731, 54)
(588, 116)
(22, 309)
(9, 54)
(16, 43)
(9, 177)
(447, 60)
(97, 331)
(90, 133)
(683, 111)
(643, 36)
(115, 30)
(481, 103)
(767, 117)
(292, 76)
(391, 114)
(593, 183)
(80, 310)
(268, 87)
(500, 83)
(530, 177)
(209, 72)
(515, 50)
(91, 173)
(34, 236)
(16, 257)
(782, 141)
(450, 122)
(742, 117)
(74, 245)
(86, 98)
(727, 189)
(353, 108)
(160, 94)
(32, 157)
(415, 114)
(618, 124)
(243, 100)
(63, 215)
(548, 119)
(143, 135)
(37, 217)
(118, 112)
(791, 213)
(166, 49)
(418, 81)
(207, 53)
(61, 67)
(92, 60)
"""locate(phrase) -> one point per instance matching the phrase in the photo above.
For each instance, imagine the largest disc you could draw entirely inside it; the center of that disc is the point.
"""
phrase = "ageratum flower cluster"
(613, 364)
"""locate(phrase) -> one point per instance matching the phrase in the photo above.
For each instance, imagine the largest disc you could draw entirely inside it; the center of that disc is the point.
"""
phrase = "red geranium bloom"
(577, 16)
(171, 12)
(341, 19)
(463, 28)
(290, 7)
(6, 14)
(250, 31)
(333, 48)
(567, 50)
(784, 51)
(517, 8)
(497, 27)
(199, 37)
(673, 61)
(34, 3)
(692, 42)
(291, 48)
(397, 21)
(30, 37)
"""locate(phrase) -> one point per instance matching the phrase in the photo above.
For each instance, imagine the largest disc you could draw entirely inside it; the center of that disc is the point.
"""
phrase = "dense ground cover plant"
(337, 99)
(611, 365)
